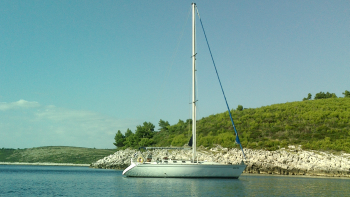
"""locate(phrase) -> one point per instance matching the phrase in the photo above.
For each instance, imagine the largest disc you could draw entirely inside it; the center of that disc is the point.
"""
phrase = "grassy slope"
(54, 154)
(322, 124)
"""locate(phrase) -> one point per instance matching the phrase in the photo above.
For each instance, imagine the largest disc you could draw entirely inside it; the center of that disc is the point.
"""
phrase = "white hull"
(188, 170)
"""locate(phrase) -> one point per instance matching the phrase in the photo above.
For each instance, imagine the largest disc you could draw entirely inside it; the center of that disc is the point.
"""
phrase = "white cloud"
(61, 114)
(39, 125)
(18, 105)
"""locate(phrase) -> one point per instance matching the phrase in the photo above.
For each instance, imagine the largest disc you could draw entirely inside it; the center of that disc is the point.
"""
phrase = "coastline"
(291, 161)
(247, 175)
(44, 164)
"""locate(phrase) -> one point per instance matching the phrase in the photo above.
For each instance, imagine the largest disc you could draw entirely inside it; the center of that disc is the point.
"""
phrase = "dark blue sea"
(16, 180)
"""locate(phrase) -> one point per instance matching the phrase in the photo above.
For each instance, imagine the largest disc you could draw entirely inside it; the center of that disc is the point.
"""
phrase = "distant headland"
(53, 155)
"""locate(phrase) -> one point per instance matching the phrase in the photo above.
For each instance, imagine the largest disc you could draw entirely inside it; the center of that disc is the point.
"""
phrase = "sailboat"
(187, 168)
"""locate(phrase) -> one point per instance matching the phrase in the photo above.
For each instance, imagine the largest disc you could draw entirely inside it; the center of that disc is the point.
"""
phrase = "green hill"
(322, 124)
(54, 154)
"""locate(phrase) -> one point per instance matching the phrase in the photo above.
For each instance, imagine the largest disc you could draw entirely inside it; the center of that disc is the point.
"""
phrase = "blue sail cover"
(237, 140)
(190, 142)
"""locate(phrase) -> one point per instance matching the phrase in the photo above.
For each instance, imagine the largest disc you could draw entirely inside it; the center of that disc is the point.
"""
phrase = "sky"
(73, 73)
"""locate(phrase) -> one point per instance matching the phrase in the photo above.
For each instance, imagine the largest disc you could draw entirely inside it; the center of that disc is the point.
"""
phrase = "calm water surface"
(84, 181)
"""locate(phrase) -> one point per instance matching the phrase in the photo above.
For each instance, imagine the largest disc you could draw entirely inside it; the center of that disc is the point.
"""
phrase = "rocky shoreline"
(43, 164)
(290, 161)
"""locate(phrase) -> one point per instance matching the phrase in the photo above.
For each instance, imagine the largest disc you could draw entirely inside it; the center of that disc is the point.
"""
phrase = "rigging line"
(172, 59)
(217, 74)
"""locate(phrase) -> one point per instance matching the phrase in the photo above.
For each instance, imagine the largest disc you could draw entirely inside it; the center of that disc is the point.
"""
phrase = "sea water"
(18, 180)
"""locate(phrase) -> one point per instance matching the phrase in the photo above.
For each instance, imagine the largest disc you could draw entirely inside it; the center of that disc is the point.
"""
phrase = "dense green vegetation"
(320, 124)
(54, 154)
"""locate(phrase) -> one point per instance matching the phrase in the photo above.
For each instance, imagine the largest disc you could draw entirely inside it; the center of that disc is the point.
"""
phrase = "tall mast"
(194, 142)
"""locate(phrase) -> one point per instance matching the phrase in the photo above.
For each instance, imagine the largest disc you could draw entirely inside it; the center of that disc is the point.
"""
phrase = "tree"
(240, 108)
(144, 134)
(163, 125)
(119, 139)
(308, 97)
(346, 94)
(145, 131)
(145, 142)
(322, 95)
(128, 133)
(130, 141)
